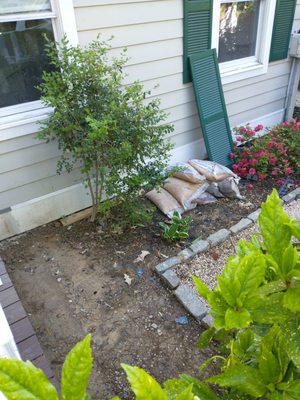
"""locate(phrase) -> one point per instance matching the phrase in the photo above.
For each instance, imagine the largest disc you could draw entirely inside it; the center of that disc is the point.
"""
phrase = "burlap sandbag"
(185, 172)
(212, 171)
(164, 201)
(183, 191)
(229, 188)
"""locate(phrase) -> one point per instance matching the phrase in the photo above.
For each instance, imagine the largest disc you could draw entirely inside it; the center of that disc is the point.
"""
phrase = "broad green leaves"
(273, 222)
(22, 381)
(143, 385)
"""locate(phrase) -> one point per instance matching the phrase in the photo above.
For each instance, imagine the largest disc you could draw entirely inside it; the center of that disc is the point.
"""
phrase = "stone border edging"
(191, 301)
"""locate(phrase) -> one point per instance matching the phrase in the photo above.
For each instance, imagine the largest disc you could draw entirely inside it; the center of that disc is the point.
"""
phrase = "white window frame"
(232, 71)
(21, 119)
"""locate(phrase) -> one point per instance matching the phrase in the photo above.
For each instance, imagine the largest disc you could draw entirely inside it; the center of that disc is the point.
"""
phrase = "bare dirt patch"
(71, 281)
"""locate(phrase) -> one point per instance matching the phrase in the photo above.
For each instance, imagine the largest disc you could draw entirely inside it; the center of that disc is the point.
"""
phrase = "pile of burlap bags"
(194, 182)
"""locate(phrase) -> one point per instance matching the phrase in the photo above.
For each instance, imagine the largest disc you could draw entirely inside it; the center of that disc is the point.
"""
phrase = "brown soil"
(71, 281)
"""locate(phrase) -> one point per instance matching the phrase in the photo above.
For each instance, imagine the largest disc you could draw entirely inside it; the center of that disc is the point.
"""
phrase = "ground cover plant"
(117, 139)
(178, 228)
(255, 306)
(275, 155)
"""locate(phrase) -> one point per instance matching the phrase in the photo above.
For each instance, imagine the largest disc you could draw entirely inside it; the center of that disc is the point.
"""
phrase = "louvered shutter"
(211, 106)
(197, 26)
(283, 21)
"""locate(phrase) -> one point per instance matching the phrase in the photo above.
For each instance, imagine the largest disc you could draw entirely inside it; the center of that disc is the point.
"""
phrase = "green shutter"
(283, 21)
(211, 106)
(197, 25)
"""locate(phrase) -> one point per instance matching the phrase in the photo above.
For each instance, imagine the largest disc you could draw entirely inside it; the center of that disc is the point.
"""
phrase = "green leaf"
(243, 378)
(291, 332)
(23, 381)
(173, 387)
(206, 337)
(200, 389)
(268, 365)
(273, 222)
(270, 310)
(202, 289)
(243, 343)
(187, 394)
(291, 388)
(237, 318)
(143, 385)
(77, 370)
(291, 299)
(289, 259)
(229, 289)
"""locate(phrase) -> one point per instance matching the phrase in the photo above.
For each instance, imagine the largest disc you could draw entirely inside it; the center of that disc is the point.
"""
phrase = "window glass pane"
(238, 29)
(22, 59)
(23, 6)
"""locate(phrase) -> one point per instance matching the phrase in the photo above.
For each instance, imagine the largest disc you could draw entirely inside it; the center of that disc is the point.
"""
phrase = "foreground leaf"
(143, 385)
(200, 389)
(23, 381)
(202, 289)
(273, 222)
(291, 332)
(243, 378)
(77, 370)
(206, 337)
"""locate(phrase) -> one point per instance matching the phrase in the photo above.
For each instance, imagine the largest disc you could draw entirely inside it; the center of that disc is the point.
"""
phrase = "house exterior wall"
(152, 32)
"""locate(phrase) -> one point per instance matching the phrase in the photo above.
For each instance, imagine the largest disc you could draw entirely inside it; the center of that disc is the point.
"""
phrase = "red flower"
(249, 186)
(288, 171)
(270, 145)
(273, 160)
(274, 172)
(252, 171)
(280, 145)
(242, 129)
(283, 153)
(231, 155)
(279, 182)
(286, 161)
(239, 139)
(258, 128)
(235, 167)
(261, 176)
(250, 132)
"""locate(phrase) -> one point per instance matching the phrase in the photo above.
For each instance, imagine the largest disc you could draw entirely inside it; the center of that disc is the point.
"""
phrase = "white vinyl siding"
(152, 31)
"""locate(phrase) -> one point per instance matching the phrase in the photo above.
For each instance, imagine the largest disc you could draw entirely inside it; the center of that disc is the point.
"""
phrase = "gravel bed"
(207, 266)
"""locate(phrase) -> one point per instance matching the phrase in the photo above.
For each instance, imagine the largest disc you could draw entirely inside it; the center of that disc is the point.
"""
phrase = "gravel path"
(207, 266)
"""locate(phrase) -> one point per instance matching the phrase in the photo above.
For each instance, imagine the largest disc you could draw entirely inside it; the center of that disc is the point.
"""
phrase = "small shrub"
(108, 130)
(276, 154)
(178, 229)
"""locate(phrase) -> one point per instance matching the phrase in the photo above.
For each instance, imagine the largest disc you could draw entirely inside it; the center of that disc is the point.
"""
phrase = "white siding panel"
(19, 143)
(28, 156)
(34, 190)
(256, 113)
(124, 36)
(109, 16)
(89, 3)
(248, 104)
(257, 89)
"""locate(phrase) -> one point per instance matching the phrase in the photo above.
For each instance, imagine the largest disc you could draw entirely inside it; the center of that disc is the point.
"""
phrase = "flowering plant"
(276, 154)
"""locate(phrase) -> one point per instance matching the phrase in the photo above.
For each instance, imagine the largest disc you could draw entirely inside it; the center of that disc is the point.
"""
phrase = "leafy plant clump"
(108, 130)
(255, 307)
(275, 154)
(178, 229)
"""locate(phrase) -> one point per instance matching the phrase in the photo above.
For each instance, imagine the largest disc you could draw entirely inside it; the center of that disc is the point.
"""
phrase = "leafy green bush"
(109, 130)
(256, 306)
(178, 228)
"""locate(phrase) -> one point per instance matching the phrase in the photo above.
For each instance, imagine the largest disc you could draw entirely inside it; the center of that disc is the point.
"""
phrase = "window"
(24, 24)
(238, 29)
(242, 32)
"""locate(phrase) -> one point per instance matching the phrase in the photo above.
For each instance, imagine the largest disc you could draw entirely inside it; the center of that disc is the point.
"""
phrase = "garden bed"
(71, 281)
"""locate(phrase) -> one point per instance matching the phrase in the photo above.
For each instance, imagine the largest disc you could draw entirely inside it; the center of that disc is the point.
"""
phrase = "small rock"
(154, 326)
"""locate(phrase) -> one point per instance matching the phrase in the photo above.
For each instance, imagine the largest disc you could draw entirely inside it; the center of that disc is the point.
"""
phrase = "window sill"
(242, 71)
